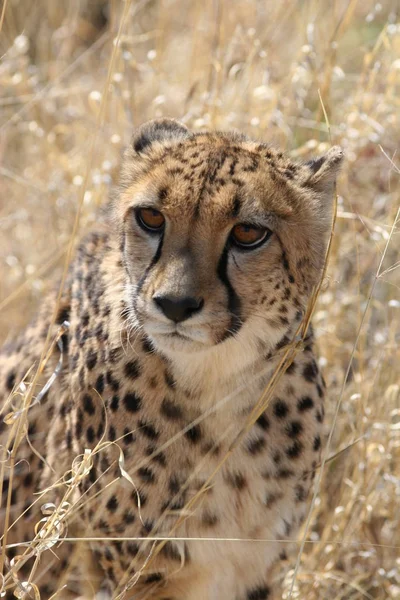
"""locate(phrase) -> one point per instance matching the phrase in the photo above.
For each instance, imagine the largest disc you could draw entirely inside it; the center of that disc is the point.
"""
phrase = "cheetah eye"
(150, 219)
(249, 236)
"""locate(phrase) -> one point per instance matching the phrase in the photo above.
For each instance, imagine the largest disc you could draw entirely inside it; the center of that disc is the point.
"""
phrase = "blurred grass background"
(256, 66)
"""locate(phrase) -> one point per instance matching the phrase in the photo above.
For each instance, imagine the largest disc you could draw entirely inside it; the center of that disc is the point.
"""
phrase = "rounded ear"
(158, 130)
(323, 170)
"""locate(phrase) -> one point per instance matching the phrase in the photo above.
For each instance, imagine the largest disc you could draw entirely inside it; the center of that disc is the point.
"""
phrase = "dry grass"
(69, 100)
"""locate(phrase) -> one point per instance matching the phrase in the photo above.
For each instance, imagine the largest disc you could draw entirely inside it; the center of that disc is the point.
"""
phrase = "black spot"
(132, 369)
(112, 504)
(129, 517)
(256, 446)
(146, 475)
(281, 409)
(139, 496)
(148, 430)
(88, 405)
(63, 315)
(108, 554)
(148, 526)
(91, 359)
(209, 519)
(28, 479)
(237, 481)
(78, 425)
(114, 404)
(93, 475)
(112, 433)
(113, 383)
(153, 382)
(90, 434)
(10, 380)
(320, 391)
(153, 578)
(283, 342)
(305, 403)
(310, 371)
(277, 457)
(285, 473)
(294, 428)
(171, 410)
(300, 493)
(160, 459)
(263, 422)
(82, 373)
(317, 443)
(295, 450)
(98, 332)
(169, 380)
(233, 166)
(132, 402)
(236, 205)
(163, 194)
(291, 368)
(114, 354)
(14, 498)
(272, 499)
(132, 548)
(99, 387)
(174, 485)
(259, 593)
(288, 527)
(320, 416)
(128, 438)
(171, 552)
(147, 346)
(285, 261)
(194, 434)
(100, 429)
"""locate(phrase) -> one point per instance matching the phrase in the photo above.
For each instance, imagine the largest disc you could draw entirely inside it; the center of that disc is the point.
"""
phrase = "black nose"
(178, 309)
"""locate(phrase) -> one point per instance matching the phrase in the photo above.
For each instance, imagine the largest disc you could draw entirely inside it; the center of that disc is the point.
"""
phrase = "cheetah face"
(221, 237)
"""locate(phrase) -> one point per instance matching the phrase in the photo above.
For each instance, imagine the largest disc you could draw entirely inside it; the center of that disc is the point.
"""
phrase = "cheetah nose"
(178, 309)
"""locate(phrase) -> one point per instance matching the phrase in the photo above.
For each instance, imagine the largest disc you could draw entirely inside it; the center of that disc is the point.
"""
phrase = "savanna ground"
(77, 76)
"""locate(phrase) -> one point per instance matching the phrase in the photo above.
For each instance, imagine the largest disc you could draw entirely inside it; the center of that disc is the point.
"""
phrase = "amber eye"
(249, 236)
(150, 219)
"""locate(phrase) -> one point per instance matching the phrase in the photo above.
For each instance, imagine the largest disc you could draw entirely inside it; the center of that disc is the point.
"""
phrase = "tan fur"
(177, 395)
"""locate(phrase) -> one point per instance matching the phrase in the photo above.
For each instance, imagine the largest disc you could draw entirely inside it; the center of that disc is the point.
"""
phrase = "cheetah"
(173, 320)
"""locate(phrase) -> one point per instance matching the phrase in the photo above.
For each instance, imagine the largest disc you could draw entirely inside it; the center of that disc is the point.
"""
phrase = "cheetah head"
(222, 238)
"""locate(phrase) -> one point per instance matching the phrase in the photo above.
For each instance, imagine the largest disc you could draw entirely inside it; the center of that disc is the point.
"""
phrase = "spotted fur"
(172, 397)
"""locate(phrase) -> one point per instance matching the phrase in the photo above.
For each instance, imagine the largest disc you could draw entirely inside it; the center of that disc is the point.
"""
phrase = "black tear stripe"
(233, 299)
(153, 262)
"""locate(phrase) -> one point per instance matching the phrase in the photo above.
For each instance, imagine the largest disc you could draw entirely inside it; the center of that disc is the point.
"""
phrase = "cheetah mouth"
(179, 336)
(174, 339)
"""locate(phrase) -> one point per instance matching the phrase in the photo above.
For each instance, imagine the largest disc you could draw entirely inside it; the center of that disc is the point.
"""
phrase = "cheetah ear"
(322, 171)
(158, 130)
